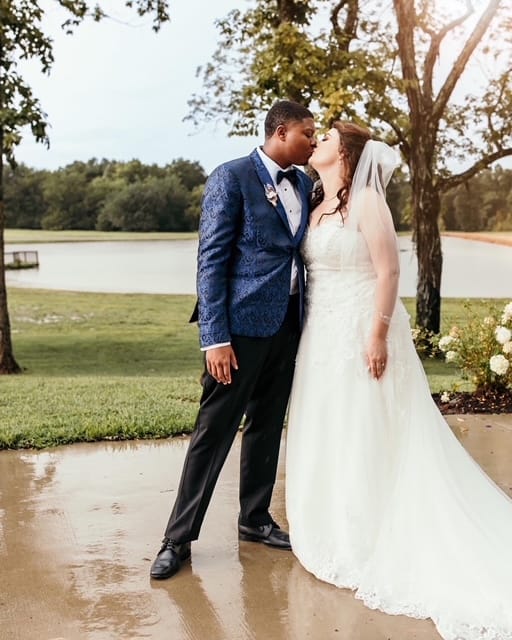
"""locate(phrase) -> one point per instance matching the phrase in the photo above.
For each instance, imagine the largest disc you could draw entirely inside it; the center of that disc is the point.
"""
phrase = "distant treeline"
(483, 203)
(107, 195)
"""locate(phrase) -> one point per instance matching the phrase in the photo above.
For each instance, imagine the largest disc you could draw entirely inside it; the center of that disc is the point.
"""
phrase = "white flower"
(503, 335)
(450, 356)
(499, 364)
(271, 194)
(507, 313)
(507, 347)
(445, 396)
(489, 321)
(415, 333)
(445, 342)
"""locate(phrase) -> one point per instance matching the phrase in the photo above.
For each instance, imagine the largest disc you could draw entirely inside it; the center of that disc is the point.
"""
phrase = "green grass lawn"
(117, 366)
(99, 366)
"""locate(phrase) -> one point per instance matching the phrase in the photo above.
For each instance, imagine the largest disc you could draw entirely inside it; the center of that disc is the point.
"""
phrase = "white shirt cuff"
(214, 346)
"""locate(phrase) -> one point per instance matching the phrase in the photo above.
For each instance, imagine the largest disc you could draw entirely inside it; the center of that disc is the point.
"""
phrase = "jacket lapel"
(304, 197)
(267, 183)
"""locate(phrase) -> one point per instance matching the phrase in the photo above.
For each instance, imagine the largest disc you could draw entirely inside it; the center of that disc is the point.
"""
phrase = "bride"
(381, 497)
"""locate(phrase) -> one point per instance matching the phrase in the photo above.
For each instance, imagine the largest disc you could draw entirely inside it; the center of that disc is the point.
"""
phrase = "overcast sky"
(121, 92)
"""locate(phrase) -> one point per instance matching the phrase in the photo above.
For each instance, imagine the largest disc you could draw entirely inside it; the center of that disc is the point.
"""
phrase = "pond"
(471, 269)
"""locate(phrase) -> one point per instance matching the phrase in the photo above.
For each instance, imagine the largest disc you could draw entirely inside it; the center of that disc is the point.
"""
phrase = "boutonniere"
(271, 194)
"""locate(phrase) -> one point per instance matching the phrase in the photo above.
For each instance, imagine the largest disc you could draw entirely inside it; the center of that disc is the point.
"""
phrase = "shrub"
(482, 349)
(425, 343)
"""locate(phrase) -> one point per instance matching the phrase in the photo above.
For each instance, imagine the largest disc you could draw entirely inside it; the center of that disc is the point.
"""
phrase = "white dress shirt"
(290, 200)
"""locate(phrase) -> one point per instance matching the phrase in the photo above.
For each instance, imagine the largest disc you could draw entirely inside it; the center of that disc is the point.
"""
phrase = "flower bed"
(482, 349)
(476, 402)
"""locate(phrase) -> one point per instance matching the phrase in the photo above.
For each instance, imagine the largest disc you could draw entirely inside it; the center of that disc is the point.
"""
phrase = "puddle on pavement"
(80, 525)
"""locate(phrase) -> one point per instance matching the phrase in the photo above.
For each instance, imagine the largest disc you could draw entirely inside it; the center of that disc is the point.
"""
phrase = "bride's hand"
(376, 357)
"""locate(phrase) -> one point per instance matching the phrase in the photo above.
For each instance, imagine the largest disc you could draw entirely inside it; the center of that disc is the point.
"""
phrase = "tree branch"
(291, 11)
(403, 143)
(406, 15)
(445, 184)
(401, 138)
(460, 64)
(346, 33)
(435, 44)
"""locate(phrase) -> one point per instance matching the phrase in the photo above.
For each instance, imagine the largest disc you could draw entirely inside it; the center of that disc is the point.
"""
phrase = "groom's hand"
(219, 361)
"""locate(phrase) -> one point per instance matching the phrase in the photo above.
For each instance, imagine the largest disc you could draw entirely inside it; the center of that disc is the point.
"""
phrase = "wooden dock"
(21, 259)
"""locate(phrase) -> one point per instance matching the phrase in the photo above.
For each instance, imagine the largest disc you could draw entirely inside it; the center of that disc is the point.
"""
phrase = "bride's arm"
(376, 225)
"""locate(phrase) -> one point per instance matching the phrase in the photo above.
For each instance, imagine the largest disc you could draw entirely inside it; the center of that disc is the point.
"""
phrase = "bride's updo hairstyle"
(352, 141)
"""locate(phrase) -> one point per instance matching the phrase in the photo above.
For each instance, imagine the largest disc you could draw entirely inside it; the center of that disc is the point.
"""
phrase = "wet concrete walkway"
(79, 527)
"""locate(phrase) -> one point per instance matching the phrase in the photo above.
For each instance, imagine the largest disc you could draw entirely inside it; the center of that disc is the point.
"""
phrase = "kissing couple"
(298, 310)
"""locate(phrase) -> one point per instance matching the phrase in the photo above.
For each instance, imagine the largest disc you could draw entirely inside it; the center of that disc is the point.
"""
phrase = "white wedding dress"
(381, 497)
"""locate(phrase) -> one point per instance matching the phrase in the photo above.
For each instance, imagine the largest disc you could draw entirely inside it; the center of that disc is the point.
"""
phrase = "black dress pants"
(259, 389)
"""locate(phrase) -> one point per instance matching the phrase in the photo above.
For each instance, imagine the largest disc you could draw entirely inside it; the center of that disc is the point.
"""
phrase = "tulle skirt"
(381, 497)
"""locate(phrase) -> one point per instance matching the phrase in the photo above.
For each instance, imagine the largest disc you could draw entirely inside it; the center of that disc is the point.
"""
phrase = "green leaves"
(275, 51)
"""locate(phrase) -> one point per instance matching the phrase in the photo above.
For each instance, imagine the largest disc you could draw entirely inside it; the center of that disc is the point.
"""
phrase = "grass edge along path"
(40, 236)
(494, 237)
(117, 367)
(45, 412)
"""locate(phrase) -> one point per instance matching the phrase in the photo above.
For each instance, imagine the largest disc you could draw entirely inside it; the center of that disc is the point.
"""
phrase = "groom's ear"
(281, 131)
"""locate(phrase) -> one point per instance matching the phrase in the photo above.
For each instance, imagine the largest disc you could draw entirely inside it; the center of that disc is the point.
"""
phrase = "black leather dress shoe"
(269, 534)
(169, 558)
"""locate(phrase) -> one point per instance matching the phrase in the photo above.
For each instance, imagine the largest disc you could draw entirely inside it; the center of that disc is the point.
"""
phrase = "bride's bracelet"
(386, 319)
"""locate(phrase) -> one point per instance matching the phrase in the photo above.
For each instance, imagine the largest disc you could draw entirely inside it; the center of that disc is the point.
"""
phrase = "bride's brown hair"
(352, 141)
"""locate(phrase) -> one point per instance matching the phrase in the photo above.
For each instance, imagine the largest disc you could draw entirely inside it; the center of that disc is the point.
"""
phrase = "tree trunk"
(8, 363)
(426, 206)
(424, 126)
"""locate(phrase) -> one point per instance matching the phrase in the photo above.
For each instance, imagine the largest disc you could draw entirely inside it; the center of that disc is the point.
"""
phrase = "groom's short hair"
(282, 112)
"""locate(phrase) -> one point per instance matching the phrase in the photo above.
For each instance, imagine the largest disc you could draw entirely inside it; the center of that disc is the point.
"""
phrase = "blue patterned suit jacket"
(246, 249)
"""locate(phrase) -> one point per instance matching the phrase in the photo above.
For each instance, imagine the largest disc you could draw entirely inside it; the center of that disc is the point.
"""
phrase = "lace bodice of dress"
(339, 266)
(332, 246)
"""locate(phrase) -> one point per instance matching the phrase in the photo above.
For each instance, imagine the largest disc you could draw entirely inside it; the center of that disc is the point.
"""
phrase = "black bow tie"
(290, 175)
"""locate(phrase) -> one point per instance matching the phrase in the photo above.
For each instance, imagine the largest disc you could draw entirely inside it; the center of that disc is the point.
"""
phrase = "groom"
(250, 284)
